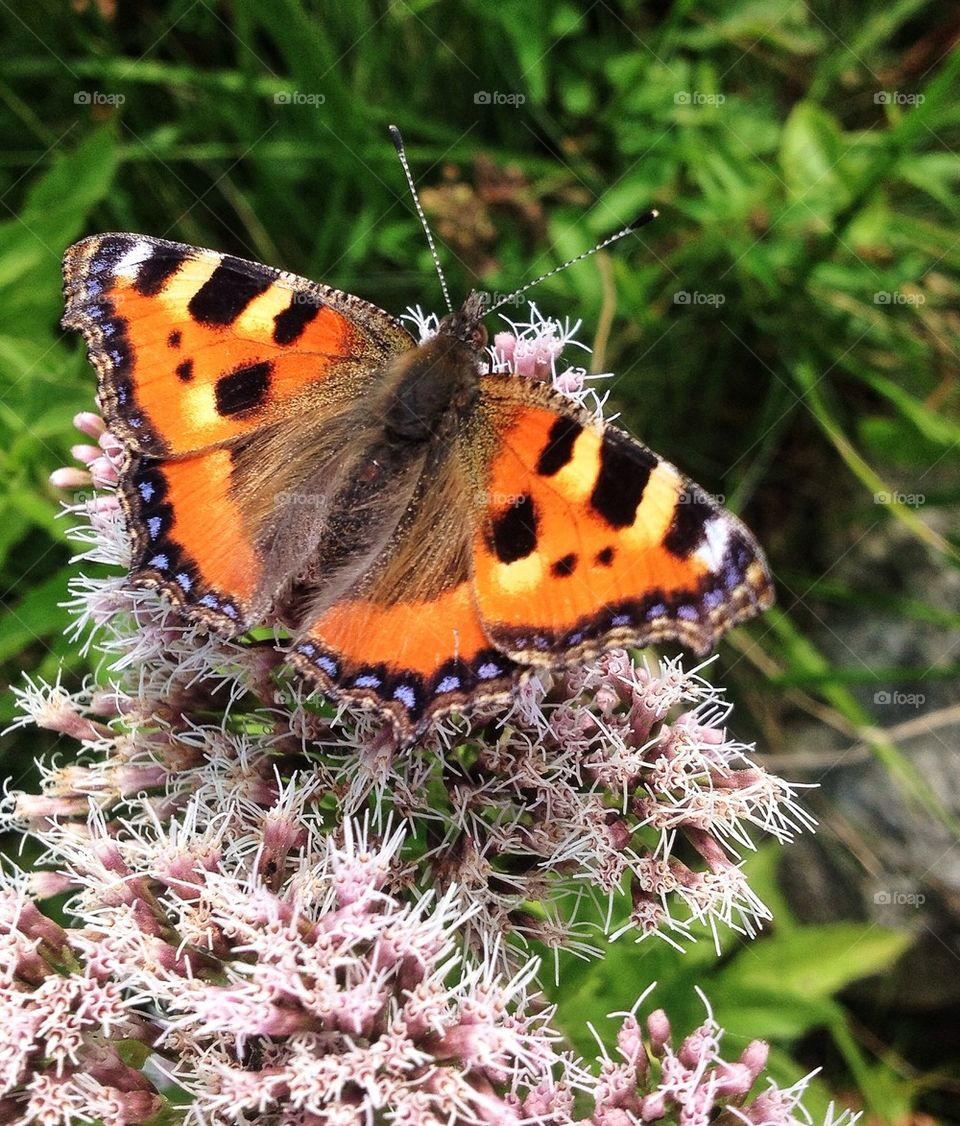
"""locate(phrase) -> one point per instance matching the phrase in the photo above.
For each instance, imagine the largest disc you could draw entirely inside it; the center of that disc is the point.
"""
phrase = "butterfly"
(427, 530)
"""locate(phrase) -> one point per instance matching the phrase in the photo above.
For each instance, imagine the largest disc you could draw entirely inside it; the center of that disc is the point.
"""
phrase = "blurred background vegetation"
(787, 332)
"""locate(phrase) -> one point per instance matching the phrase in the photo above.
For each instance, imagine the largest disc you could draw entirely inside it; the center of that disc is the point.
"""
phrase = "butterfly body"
(427, 529)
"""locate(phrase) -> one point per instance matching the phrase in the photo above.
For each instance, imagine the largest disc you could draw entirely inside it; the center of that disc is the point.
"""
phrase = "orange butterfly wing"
(189, 538)
(585, 539)
(406, 637)
(198, 353)
(575, 538)
(195, 348)
(530, 535)
(414, 660)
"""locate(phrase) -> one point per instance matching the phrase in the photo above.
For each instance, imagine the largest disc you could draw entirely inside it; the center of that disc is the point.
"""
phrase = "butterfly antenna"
(642, 221)
(398, 145)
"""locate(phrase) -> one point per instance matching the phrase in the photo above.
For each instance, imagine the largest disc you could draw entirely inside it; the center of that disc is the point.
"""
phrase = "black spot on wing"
(289, 324)
(175, 338)
(244, 389)
(625, 468)
(513, 533)
(185, 371)
(154, 272)
(559, 448)
(228, 291)
(685, 533)
(562, 568)
(605, 557)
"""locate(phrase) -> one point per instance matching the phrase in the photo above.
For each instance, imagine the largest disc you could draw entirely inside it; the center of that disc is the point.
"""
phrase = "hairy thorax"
(430, 388)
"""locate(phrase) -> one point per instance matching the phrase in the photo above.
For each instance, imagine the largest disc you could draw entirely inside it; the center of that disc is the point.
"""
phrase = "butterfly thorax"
(435, 384)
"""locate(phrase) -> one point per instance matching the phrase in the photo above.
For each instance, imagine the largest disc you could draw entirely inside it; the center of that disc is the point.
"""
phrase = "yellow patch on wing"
(257, 320)
(520, 577)
(655, 511)
(576, 479)
(184, 284)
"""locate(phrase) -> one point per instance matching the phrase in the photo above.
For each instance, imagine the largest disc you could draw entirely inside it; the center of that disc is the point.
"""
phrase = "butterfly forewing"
(209, 364)
(586, 539)
(195, 348)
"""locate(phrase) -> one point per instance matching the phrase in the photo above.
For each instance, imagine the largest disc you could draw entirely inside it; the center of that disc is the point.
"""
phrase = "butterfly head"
(466, 323)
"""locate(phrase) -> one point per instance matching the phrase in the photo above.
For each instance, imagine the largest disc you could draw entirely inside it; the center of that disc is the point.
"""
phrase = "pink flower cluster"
(61, 1025)
(691, 1085)
(261, 966)
(532, 349)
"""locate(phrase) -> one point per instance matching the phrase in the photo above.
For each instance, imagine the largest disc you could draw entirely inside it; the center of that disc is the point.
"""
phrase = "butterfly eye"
(478, 337)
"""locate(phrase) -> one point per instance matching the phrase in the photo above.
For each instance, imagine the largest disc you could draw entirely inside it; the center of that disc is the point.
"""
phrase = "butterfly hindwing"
(586, 539)
(413, 660)
(189, 538)
(230, 531)
(195, 348)
(406, 637)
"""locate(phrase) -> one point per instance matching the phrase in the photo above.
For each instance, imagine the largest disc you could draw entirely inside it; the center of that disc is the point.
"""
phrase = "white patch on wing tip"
(128, 266)
(713, 550)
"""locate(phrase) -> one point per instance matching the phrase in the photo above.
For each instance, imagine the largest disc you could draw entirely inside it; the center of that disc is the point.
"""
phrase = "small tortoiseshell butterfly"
(427, 530)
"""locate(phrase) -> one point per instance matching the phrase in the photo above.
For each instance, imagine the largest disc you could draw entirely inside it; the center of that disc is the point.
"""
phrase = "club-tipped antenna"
(398, 145)
(641, 221)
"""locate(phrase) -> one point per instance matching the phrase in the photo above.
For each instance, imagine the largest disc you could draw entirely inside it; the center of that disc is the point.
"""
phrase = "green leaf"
(935, 173)
(37, 616)
(812, 963)
(933, 427)
(54, 213)
(810, 153)
(769, 1014)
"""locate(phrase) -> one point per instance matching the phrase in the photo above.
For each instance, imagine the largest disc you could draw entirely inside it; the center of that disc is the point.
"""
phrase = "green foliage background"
(804, 161)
